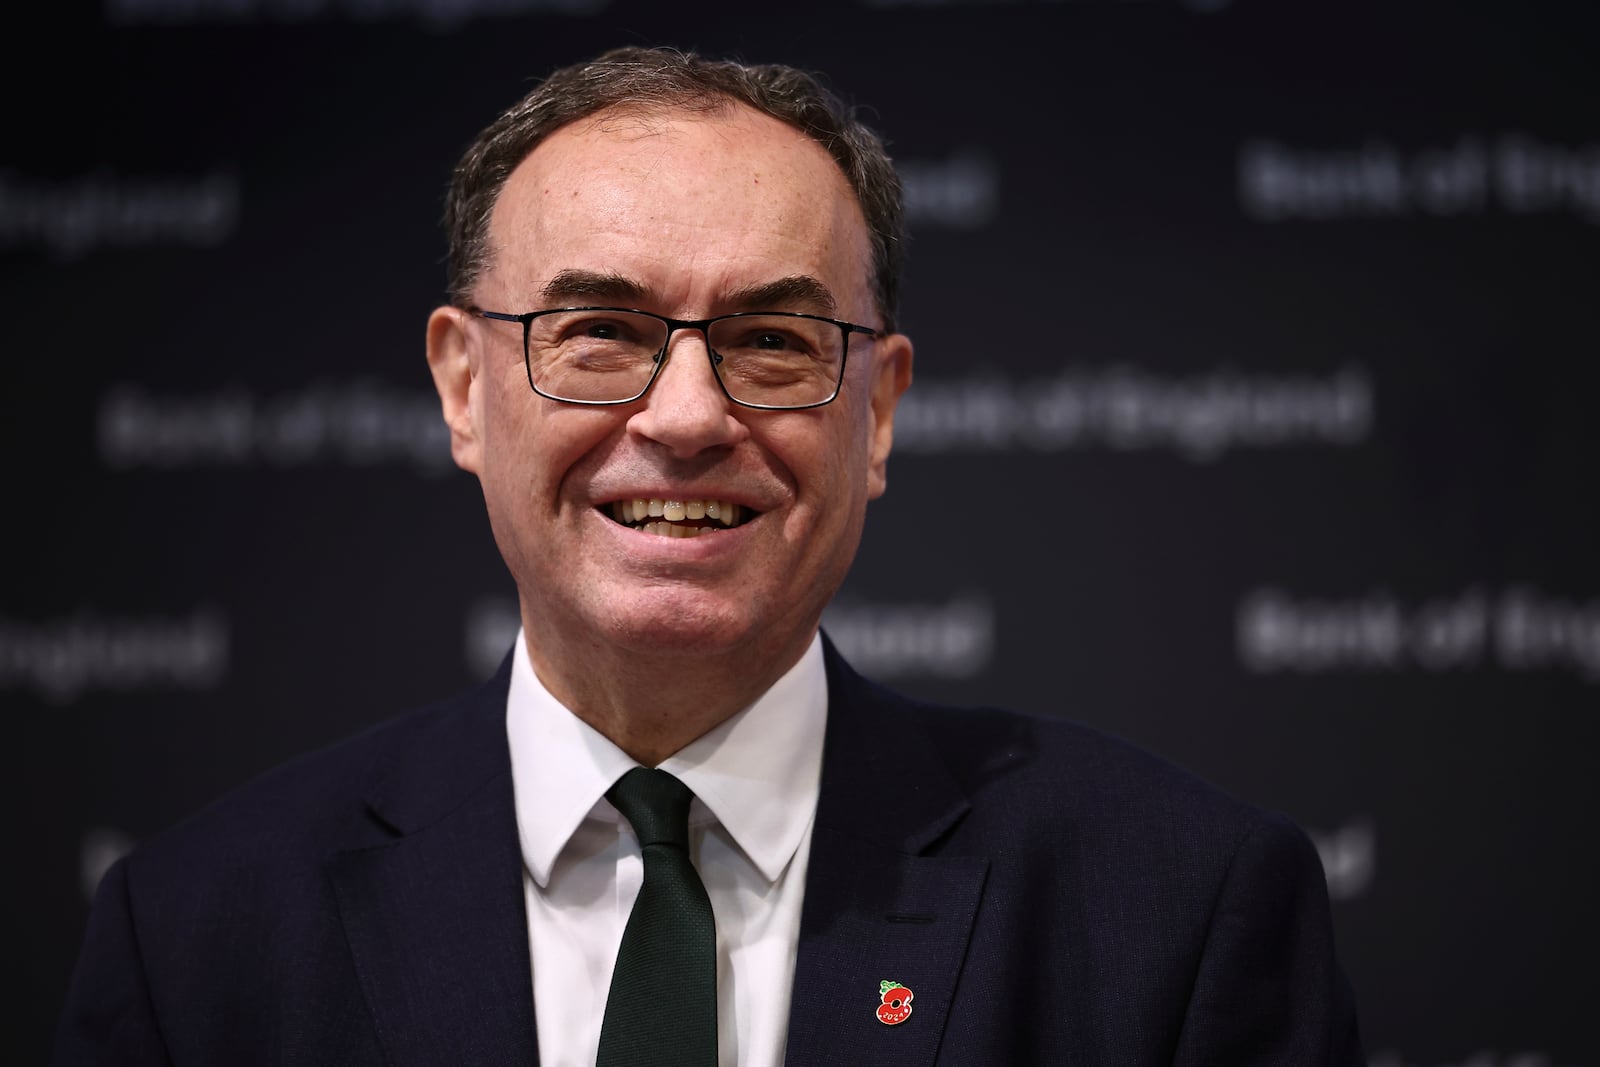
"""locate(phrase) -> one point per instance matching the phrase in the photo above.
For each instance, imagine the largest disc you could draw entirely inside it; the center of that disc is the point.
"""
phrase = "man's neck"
(652, 704)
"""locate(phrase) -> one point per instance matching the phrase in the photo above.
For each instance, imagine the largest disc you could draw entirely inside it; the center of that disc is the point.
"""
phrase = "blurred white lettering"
(953, 640)
(1391, 1058)
(491, 629)
(1277, 182)
(1276, 633)
(361, 424)
(1200, 417)
(1531, 177)
(1514, 172)
(61, 661)
(962, 192)
(1519, 629)
(73, 216)
(1349, 858)
(101, 848)
(1533, 630)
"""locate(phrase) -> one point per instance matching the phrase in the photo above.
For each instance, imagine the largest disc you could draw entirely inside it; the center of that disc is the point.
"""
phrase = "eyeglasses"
(774, 360)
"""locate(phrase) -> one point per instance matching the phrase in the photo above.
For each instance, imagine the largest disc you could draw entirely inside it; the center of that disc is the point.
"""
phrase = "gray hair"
(651, 78)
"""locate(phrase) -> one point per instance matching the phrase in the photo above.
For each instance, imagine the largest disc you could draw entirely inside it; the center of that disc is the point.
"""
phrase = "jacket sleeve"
(109, 1017)
(1269, 989)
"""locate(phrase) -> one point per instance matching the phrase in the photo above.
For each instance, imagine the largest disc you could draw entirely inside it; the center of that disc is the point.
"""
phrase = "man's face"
(688, 216)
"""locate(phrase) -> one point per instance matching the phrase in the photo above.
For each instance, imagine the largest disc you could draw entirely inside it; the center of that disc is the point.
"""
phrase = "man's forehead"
(591, 197)
(640, 135)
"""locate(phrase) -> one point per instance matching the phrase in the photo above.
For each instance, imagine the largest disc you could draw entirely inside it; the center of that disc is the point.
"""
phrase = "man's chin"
(702, 624)
(701, 634)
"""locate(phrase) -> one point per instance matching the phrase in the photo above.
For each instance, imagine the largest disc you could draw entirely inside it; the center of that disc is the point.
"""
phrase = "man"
(671, 362)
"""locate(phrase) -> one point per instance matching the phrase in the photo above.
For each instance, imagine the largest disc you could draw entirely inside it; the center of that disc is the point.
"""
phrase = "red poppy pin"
(896, 1006)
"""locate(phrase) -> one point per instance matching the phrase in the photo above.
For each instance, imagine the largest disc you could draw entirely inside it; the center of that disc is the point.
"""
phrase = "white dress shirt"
(755, 780)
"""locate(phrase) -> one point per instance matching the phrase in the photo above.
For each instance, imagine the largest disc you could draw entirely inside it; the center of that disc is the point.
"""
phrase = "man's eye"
(771, 341)
(603, 331)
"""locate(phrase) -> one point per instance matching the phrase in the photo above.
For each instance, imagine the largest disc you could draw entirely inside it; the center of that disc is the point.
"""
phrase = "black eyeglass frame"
(660, 358)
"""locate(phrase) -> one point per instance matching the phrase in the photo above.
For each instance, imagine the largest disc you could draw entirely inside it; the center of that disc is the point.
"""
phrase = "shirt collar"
(756, 774)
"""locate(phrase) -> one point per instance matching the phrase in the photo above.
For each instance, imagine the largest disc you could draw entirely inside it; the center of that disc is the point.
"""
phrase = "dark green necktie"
(662, 1009)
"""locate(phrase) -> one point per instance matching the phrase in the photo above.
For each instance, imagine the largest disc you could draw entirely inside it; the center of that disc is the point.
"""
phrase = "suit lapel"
(434, 916)
(877, 907)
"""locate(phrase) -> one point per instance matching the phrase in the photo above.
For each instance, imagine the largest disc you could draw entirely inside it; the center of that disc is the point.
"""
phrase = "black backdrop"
(1253, 421)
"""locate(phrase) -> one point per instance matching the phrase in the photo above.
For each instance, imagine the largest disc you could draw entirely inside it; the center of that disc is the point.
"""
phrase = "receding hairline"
(667, 111)
(724, 107)
(709, 104)
(654, 115)
(641, 81)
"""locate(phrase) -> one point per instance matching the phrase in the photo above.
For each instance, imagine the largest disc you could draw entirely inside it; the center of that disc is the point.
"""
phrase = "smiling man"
(655, 628)
(676, 827)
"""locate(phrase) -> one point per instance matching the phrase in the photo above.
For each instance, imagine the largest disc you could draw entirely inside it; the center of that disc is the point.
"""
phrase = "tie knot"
(655, 804)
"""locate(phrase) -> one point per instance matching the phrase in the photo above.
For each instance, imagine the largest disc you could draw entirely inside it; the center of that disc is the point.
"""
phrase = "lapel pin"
(896, 1006)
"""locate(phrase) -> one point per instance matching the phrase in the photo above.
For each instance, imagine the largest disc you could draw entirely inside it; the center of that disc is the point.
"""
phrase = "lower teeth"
(667, 529)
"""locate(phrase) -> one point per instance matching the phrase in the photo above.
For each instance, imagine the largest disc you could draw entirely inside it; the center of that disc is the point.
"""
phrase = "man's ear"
(453, 358)
(890, 375)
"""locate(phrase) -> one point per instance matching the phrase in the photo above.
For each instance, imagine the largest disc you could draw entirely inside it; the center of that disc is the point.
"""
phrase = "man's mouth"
(678, 518)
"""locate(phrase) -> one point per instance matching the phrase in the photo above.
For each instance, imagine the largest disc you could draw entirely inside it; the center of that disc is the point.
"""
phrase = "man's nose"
(686, 409)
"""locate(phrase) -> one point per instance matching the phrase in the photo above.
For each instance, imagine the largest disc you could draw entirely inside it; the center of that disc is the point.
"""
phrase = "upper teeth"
(725, 512)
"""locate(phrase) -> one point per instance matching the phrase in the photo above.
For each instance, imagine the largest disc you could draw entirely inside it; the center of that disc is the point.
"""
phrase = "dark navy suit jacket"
(1049, 894)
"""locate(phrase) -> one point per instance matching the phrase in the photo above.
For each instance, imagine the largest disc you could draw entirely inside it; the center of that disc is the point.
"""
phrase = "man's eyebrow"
(582, 286)
(569, 286)
(796, 289)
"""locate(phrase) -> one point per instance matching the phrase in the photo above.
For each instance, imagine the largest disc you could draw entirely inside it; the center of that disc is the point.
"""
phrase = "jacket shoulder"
(330, 798)
(1040, 775)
